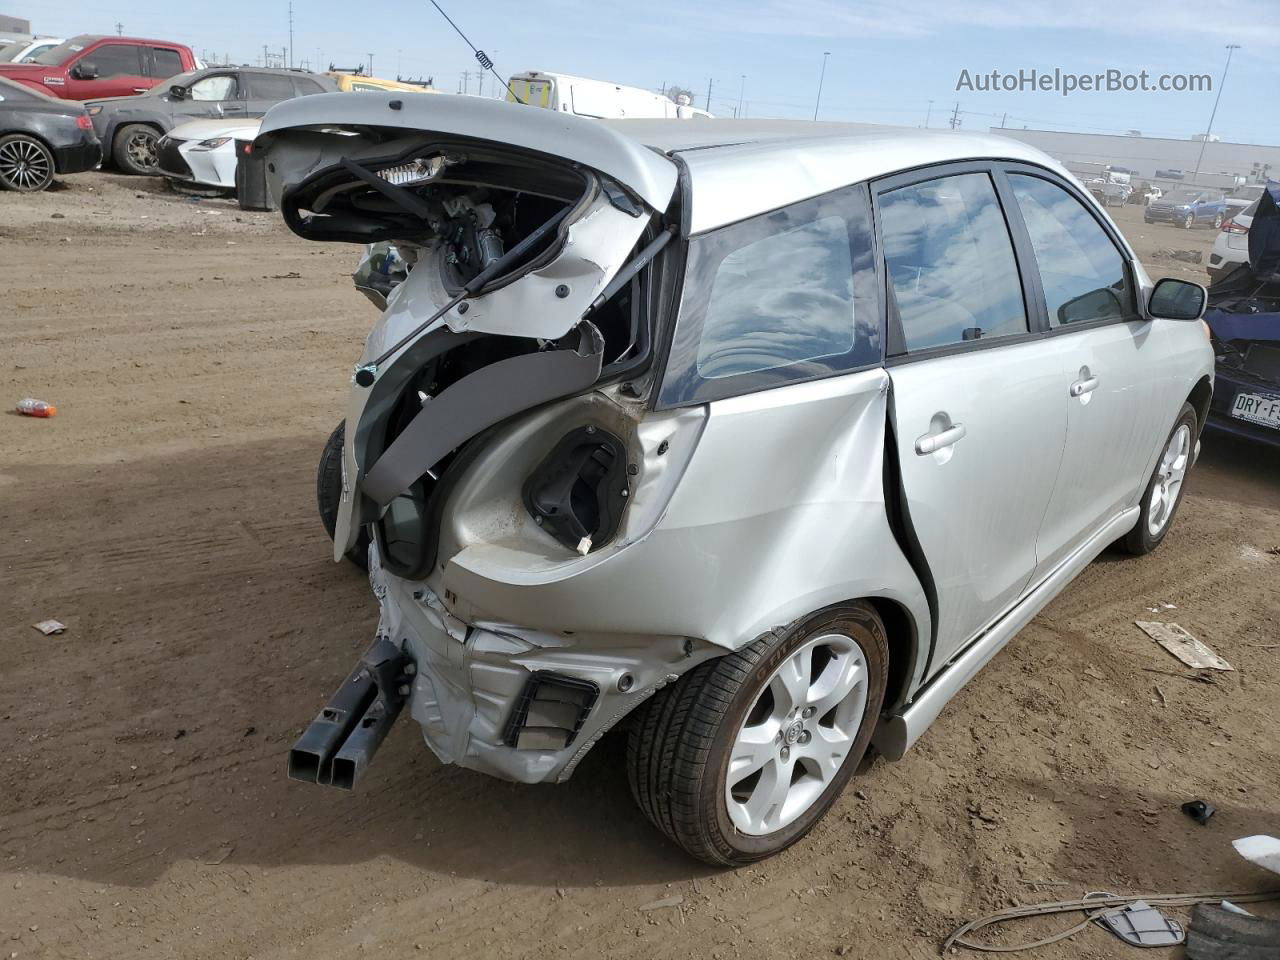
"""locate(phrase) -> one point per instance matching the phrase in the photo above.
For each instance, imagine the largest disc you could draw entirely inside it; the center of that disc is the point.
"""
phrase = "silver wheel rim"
(797, 734)
(24, 164)
(1170, 473)
(142, 149)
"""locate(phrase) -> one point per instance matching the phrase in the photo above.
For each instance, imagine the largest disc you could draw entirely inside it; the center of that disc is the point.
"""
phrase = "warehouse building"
(1146, 155)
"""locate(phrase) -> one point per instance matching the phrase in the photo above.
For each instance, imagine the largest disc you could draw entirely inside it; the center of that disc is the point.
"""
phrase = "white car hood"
(208, 129)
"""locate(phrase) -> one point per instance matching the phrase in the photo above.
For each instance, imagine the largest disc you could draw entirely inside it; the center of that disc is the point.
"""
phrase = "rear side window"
(782, 297)
(265, 86)
(219, 87)
(950, 262)
(166, 62)
(304, 87)
(1081, 270)
(116, 59)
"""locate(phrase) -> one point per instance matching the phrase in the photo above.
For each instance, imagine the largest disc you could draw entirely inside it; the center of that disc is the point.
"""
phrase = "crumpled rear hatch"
(1244, 305)
(523, 230)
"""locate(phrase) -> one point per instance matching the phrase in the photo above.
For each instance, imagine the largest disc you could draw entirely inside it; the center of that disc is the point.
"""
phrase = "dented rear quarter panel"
(780, 512)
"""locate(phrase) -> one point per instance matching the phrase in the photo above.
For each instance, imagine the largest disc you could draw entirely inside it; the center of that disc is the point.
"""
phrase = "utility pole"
(119, 29)
(955, 116)
(709, 82)
(371, 64)
(1231, 48)
(821, 76)
(265, 61)
(479, 83)
(1003, 119)
(927, 114)
(742, 89)
(290, 60)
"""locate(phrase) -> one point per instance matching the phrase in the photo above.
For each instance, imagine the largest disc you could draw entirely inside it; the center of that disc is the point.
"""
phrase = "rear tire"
(1168, 477)
(26, 164)
(685, 754)
(329, 494)
(134, 149)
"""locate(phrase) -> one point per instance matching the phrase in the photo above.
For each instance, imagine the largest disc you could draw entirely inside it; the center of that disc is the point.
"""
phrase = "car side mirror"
(86, 70)
(1177, 300)
(178, 92)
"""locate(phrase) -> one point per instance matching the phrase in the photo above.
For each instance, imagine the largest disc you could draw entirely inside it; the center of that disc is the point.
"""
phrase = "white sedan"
(203, 152)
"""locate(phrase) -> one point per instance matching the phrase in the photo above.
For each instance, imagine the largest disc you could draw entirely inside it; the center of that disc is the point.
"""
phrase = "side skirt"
(896, 733)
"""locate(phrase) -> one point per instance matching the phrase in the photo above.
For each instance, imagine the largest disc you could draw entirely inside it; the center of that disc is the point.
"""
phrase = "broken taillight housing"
(1230, 226)
(420, 170)
(577, 494)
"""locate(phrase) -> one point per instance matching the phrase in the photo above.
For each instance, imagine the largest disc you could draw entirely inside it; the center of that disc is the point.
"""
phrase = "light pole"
(821, 76)
(1231, 48)
(927, 114)
(742, 89)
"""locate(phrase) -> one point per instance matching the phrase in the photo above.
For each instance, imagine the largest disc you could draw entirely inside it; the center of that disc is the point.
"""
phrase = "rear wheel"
(1165, 488)
(329, 493)
(26, 165)
(134, 149)
(1217, 221)
(743, 755)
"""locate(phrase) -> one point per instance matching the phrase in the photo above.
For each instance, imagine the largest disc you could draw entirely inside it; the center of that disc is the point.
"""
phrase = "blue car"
(1244, 321)
(1188, 206)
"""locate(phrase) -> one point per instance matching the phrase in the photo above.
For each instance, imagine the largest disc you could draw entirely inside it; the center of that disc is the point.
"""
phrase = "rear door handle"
(141, 89)
(1081, 387)
(933, 442)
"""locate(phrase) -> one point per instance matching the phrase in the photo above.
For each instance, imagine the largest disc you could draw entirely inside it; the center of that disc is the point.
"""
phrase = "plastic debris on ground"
(1142, 925)
(1183, 645)
(48, 627)
(31, 407)
(1199, 811)
(1260, 850)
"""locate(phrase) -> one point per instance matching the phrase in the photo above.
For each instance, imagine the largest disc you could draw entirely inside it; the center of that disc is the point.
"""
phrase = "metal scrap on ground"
(1183, 645)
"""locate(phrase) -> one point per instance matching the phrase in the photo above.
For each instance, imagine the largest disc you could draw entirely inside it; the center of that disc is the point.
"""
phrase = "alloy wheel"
(25, 165)
(1189, 221)
(141, 148)
(797, 734)
(1170, 473)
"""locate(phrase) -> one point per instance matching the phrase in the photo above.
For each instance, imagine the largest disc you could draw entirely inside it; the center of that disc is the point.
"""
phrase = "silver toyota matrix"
(752, 440)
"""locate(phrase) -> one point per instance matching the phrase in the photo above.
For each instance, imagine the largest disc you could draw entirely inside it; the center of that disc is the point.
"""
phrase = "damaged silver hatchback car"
(754, 440)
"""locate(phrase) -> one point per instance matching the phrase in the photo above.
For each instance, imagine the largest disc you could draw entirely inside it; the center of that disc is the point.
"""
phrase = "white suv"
(756, 440)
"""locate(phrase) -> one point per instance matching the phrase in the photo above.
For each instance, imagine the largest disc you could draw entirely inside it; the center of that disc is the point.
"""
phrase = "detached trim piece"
(478, 401)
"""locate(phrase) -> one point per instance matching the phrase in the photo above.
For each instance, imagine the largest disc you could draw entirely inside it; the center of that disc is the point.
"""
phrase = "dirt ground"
(199, 356)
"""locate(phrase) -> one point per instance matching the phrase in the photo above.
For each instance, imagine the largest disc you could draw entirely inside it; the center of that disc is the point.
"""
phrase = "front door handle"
(933, 442)
(141, 89)
(1081, 387)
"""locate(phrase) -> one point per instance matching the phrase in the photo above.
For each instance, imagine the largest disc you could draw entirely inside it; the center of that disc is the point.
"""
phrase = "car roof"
(740, 168)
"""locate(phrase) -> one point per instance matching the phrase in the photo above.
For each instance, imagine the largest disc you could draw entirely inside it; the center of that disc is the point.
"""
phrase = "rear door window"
(782, 297)
(1083, 273)
(266, 86)
(165, 62)
(305, 87)
(950, 262)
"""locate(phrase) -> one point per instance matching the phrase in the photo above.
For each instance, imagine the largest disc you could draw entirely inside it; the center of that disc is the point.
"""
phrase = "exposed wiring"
(481, 56)
(1094, 904)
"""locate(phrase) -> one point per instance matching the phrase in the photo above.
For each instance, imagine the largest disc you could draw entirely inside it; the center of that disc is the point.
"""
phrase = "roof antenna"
(481, 56)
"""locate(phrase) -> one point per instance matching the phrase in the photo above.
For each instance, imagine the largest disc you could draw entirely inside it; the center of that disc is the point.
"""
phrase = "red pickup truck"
(91, 67)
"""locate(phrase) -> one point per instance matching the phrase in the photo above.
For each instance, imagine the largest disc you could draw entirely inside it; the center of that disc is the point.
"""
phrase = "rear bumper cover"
(1227, 383)
(79, 157)
(473, 681)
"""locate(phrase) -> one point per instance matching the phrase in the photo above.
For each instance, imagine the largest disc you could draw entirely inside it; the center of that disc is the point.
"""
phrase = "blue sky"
(888, 59)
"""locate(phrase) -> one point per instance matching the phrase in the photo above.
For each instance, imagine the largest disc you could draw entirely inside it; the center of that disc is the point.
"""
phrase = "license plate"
(1257, 408)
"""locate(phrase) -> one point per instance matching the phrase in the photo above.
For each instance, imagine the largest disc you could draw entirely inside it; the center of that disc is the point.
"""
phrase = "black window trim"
(1108, 228)
(1031, 296)
(746, 384)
